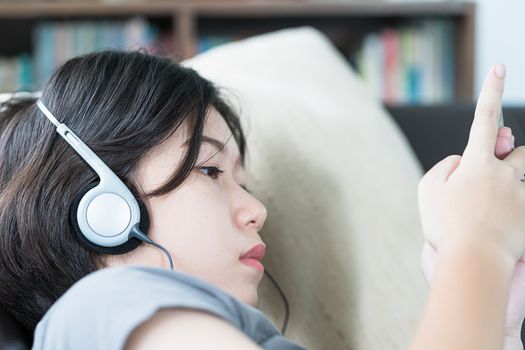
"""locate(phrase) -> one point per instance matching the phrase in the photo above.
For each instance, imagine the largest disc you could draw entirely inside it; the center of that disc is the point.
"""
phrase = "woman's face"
(207, 223)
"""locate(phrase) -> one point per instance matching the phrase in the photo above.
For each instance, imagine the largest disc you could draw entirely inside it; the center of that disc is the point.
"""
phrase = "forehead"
(216, 127)
(160, 161)
(216, 132)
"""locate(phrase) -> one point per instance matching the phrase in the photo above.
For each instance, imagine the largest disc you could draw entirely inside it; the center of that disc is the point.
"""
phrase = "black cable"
(137, 233)
(165, 252)
(286, 305)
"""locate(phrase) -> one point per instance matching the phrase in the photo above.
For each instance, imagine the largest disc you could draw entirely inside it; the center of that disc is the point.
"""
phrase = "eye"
(211, 171)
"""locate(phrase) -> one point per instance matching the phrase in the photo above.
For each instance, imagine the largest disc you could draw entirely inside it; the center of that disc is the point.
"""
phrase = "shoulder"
(142, 286)
(108, 304)
(158, 332)
(198, 330)
(103, 309)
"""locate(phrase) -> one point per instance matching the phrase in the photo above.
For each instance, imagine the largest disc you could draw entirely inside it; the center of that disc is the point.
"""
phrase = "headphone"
(106, 215)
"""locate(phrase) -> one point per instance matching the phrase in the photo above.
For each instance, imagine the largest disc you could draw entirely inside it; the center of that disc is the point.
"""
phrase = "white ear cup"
(108, 214)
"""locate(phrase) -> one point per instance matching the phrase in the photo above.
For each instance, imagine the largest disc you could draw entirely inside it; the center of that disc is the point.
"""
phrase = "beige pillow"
(339, 181)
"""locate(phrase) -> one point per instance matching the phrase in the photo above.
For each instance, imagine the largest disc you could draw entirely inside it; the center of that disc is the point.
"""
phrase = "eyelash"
(216, 173)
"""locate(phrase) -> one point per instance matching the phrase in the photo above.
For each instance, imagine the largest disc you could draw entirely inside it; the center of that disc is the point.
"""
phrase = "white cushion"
(339, 181)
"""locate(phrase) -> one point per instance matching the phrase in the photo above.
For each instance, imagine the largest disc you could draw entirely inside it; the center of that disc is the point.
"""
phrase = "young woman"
(165, 132)
(167, 135)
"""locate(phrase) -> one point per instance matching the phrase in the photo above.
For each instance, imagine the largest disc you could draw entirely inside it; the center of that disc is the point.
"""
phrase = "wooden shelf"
(188, 17)
(231, 8)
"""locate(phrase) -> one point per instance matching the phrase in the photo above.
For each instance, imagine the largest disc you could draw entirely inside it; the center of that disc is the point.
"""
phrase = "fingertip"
(505, 131)
(500, 70)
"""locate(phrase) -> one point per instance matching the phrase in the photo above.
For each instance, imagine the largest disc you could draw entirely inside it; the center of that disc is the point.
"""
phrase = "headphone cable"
(286, 305)
(137, 233)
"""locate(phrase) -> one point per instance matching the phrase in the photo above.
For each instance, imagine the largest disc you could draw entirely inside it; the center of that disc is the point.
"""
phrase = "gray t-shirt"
(102, 309)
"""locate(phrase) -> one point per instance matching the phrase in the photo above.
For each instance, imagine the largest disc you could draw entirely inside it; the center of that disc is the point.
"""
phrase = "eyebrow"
(219, 145)
(214, 142)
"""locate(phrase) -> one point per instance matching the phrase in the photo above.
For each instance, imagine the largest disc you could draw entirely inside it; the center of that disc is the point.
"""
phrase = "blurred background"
(409, 52)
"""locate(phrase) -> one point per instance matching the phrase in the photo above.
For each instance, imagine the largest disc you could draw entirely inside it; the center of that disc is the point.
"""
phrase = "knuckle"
(454, 157)
(455, 160)
(445, 162)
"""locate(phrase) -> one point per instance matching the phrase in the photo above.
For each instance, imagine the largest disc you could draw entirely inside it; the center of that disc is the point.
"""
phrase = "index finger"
(484, 129)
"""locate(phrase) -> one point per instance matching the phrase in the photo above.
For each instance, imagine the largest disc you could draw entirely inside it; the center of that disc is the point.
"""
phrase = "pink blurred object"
(504, 142)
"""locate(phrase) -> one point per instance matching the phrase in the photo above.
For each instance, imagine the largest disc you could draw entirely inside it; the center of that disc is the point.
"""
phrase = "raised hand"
(516, 305)
(515, 315)
(477, 198)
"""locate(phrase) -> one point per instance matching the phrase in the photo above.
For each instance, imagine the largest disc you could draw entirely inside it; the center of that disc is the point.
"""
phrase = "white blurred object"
(7, 95)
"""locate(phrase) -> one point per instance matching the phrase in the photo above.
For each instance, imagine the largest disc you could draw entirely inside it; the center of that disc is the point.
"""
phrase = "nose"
(250, 213)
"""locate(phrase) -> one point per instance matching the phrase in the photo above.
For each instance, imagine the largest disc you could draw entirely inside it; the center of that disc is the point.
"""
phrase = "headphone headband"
(107, 213)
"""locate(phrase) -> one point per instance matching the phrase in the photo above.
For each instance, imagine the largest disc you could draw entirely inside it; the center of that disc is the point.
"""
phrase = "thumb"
(442, 170)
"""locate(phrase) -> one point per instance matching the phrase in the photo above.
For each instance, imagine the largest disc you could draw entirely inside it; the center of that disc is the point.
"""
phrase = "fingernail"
(500, 70)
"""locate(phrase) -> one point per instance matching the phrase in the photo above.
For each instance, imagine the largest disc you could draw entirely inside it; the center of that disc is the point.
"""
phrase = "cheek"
(195, 226)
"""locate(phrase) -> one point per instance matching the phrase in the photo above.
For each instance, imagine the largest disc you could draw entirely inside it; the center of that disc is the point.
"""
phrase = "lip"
(256, 252)
(253, 256)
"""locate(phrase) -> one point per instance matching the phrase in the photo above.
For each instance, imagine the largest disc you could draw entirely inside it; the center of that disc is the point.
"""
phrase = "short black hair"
(121, 104)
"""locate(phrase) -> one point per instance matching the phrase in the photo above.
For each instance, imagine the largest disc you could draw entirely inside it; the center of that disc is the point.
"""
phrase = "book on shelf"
(410, 64)
(54, 42)
(16, 72)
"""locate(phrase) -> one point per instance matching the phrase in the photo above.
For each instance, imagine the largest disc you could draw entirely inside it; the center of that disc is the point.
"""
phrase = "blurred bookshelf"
(408, 53)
